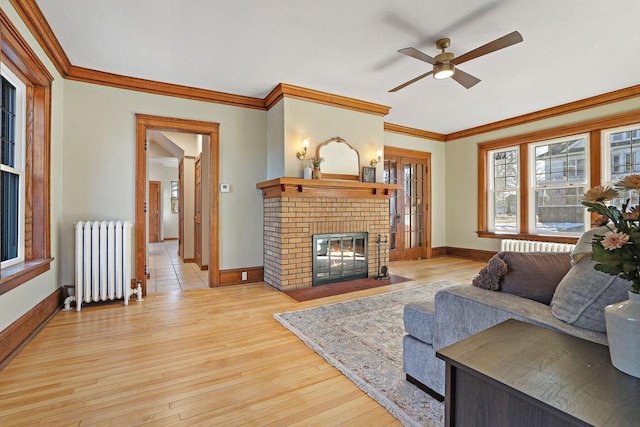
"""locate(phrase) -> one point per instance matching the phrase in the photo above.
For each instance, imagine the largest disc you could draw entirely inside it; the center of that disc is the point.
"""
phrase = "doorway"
(409, 213)
(145, 123)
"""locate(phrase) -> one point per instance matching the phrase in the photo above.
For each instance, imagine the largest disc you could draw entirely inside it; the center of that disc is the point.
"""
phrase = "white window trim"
(19, 164)
(490, 201)
(531, 181)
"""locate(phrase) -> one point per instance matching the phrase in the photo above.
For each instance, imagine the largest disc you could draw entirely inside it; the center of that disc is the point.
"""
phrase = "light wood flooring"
(212, 357)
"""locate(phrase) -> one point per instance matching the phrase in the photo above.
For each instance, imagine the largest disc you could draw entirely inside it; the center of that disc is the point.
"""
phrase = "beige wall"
(169, 219)
(20, 300)
(275, 136)
(319, 122)
(462, 173)
(99, 159)
(438, 179)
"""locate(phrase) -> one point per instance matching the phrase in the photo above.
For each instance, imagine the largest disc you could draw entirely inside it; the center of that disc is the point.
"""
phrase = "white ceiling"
(572, 49)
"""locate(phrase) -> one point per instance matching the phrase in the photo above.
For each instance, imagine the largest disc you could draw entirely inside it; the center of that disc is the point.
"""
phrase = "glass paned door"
(407, 207)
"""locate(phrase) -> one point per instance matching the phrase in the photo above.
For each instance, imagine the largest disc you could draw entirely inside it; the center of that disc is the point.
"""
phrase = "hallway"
(169, 274)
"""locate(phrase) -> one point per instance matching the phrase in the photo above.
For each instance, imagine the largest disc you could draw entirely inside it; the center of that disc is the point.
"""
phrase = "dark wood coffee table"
(518, 374)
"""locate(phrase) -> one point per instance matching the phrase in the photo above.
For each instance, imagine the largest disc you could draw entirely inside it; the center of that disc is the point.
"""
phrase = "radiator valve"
(138, 292)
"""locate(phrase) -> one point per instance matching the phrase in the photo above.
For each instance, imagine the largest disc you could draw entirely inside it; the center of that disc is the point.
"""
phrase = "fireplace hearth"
(339, 257)
(298, 212)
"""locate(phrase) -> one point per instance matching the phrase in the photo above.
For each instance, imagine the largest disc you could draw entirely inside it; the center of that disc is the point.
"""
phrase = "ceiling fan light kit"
(443, 70)
(444, 64)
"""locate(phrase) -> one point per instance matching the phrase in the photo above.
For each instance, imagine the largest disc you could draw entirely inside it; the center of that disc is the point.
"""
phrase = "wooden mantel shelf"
(298, 187)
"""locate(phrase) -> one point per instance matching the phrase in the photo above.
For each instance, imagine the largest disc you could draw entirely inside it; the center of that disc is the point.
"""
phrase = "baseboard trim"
(22, 331)
(234, 276)
(186, 260)
(474, 254)
(440, 251)
(170, 238)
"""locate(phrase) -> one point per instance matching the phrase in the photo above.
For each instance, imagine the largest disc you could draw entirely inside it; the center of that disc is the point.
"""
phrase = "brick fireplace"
(296, 209)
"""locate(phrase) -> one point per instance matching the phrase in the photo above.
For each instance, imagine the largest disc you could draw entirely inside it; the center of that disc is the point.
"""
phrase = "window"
(556, 167)
(12, 167)
(621, 157)
(558, 181)
(504, 191)
(26, 93)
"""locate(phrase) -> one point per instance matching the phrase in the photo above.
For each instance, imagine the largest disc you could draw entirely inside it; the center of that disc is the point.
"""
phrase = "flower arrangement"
(617, 252)
(316, 161)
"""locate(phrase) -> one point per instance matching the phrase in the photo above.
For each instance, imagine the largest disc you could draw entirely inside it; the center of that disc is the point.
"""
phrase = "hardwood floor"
(197, 357)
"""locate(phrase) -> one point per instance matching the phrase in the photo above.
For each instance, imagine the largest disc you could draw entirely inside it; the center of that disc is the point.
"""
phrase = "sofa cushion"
(490, 275)
(583, 248)
(534, 275)
(583, 294)
(419, 319)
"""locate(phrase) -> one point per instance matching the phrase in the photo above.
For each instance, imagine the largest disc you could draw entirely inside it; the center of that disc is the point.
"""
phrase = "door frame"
(421, 155)
(144, 123)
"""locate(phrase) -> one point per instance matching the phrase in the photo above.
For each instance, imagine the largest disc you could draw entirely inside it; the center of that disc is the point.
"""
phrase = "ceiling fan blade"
(465, 79)
(501, 43)
(415, 53)
(395, 89)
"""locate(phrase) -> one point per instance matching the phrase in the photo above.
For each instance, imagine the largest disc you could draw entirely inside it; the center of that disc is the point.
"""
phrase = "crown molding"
(87, 75)
(39, 27)
(570, 107)
(418, 133)
(283, 90)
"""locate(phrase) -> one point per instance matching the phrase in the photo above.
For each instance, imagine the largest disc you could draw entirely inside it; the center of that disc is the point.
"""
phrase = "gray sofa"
(458, 312)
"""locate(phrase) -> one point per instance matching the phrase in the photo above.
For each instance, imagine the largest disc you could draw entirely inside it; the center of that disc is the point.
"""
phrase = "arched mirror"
(341, 160)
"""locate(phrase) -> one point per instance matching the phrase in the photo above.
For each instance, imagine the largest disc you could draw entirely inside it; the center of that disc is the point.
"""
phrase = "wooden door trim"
(143, 124)
(421, 155)
(197, 200)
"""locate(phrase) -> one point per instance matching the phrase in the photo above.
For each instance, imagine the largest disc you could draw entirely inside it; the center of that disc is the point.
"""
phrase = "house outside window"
(12, 180)
(557, 183)
(504, 194)
(621, 157)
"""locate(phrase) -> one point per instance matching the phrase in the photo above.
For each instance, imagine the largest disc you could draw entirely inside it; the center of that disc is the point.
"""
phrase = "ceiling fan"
(445, 63)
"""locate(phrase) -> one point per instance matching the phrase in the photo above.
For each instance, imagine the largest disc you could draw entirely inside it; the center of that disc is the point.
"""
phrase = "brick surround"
(293, 215)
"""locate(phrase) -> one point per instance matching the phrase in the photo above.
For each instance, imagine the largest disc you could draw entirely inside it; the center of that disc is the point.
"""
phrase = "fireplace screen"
(339, 257)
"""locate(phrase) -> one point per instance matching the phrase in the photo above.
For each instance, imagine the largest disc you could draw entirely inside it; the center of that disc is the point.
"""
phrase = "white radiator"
(531, 246)
(103, 261)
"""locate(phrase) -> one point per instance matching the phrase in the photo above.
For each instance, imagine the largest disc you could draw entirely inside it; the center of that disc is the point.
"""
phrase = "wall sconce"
(302, 154)
(374, 162)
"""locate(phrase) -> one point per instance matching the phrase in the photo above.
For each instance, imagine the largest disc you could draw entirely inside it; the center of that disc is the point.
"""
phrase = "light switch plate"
(224, 188)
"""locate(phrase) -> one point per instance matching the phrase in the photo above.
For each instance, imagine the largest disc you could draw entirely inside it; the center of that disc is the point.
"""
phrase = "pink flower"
(633, 215)
(613, 240)
(631, 182)
(600, 194)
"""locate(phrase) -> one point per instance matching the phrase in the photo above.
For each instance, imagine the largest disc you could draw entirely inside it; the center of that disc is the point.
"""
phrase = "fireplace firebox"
(339, 257)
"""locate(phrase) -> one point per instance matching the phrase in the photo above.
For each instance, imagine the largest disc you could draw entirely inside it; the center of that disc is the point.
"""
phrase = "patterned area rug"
(363, 339)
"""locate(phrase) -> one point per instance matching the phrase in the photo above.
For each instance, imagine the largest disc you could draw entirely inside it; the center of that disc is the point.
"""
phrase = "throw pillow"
(583, 294)
(489, 276)
(534, 275)
(583, 247)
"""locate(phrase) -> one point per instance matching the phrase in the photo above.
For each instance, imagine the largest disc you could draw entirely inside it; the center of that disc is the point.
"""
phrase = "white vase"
(306, 172)
(623, 334)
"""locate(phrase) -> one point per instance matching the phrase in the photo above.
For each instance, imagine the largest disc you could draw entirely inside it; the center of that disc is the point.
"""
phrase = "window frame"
(594, 127)
(16, 54)
(606, 151)
(491, 189)
(19, 158)
(532, 182)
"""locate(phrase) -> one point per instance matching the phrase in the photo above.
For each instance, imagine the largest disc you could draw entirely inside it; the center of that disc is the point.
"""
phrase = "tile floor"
(168, 272)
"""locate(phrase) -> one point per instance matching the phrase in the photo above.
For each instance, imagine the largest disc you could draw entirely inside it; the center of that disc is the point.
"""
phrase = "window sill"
(16, 275)
(534, 237)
